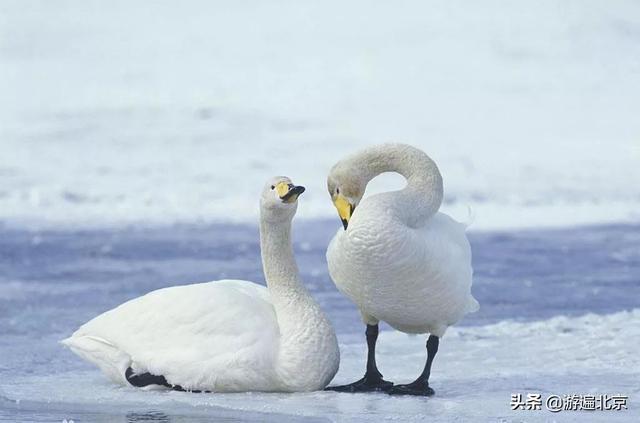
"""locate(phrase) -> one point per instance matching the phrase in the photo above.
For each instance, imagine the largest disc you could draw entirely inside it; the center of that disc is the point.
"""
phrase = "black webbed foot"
(145, 379)
(366, 384)
(417, 388)
(372, 380)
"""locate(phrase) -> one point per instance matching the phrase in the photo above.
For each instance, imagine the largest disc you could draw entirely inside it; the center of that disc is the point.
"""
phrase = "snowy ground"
(177, 112)
(559, 316)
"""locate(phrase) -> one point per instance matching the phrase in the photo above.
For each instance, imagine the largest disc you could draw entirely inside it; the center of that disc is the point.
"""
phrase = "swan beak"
(345, 209)
(289, 193)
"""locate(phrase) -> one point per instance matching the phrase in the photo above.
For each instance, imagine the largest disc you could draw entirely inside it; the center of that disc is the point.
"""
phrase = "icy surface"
(559, 316)
(178, 112)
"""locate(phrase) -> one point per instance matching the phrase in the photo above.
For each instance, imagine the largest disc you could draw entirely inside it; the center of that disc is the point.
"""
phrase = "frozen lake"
(558, 316)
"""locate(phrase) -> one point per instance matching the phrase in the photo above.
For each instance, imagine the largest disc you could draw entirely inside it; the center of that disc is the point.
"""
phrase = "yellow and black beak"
(345, 209)
(289, 193)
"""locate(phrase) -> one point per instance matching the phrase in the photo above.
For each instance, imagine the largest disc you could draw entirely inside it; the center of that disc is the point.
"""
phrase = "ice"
(558, 316)
(477, 370)
(178, 113)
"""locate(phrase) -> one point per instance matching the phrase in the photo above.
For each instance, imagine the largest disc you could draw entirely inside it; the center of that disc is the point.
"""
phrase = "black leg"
(420, 386)
(145, 379)
(372, 380)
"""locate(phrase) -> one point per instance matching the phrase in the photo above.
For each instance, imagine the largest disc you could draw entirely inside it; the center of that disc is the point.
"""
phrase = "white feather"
(223, 336)
(399, 261)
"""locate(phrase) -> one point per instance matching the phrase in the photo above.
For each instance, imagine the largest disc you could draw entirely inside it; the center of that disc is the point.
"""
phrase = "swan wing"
(220, 336)
(416, 279)
(447, 259)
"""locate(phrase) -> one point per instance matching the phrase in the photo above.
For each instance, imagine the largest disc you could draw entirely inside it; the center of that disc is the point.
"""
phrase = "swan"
(398, 259)
(222, 336)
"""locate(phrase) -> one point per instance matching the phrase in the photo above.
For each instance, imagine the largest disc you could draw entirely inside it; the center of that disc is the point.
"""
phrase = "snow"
(558, 316)
(178, 113)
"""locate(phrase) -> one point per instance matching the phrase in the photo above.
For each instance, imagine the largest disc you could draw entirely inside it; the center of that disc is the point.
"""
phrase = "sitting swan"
(398, 259)
(223, 336)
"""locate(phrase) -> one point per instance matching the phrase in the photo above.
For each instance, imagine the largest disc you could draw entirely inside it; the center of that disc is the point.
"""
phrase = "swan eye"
(337, 190)
(273, 187)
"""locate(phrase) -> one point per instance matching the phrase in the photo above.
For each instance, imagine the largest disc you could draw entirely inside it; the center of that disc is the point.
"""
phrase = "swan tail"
(472, 305)
(112, 361)
(471, 217)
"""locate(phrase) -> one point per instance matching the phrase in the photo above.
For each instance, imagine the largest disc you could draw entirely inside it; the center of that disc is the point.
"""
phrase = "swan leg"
(420, 386)
(372, 380)
(145, 379)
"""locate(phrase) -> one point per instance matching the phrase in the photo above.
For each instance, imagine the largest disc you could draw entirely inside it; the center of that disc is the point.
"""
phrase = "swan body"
(223, 336)
(415, 279)
(398, 259)
(189, 334)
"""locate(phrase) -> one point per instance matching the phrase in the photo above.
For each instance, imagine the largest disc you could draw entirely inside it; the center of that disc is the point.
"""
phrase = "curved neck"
(422, 196)
(280, 268)
(307, 343)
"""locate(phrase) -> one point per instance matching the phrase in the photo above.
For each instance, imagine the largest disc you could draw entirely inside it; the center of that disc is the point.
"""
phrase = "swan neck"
(307, 347)
(279, 264)
(422, 196)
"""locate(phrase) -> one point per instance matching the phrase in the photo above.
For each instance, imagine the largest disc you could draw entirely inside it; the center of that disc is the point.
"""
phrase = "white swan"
(223, 336)
(398, 259)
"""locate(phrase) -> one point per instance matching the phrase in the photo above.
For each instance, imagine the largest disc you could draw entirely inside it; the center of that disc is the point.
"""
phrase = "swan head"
(346, 188)
(279, 199)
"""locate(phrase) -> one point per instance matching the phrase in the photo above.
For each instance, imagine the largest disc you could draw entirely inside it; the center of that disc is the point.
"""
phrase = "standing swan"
(223, 336)
(398, 259)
